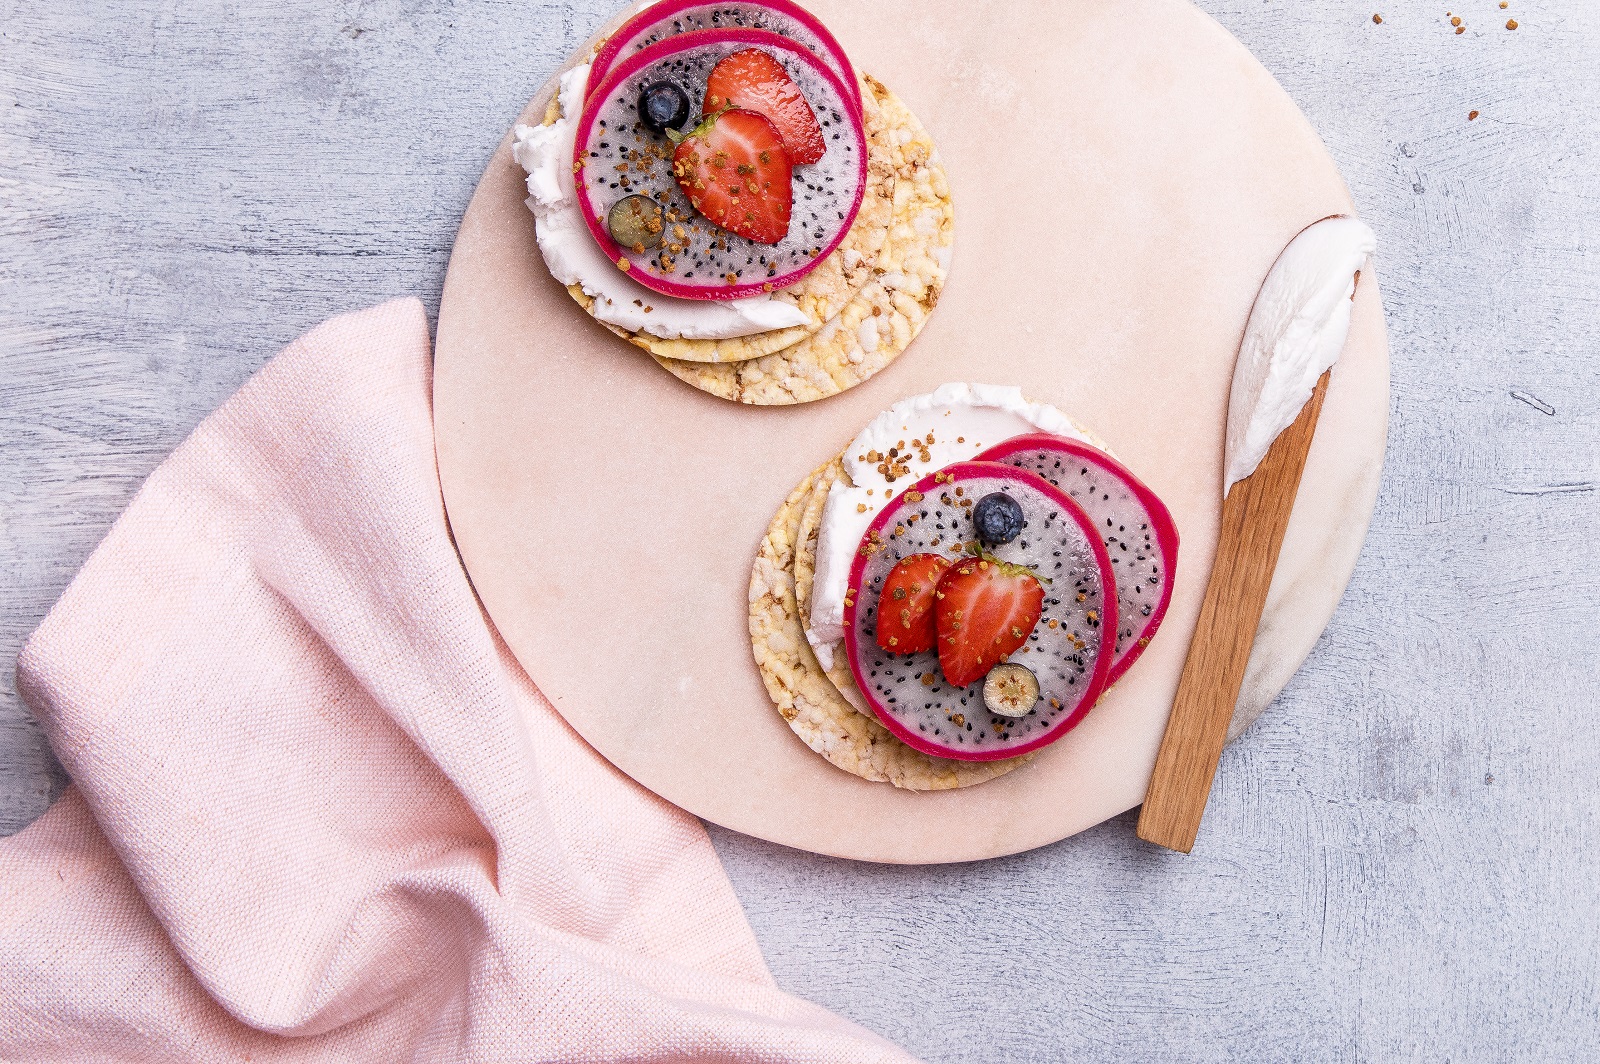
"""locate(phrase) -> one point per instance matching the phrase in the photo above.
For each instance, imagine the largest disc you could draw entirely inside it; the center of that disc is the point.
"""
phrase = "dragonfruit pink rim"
(682, 42)
(658, 13)
(1098, 681)
(1166, 529)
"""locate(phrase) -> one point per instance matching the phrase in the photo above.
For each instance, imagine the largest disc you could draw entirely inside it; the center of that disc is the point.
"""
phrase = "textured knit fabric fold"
(318, 811)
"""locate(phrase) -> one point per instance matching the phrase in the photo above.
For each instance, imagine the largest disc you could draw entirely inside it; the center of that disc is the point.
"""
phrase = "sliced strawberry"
(734, 169)
(985, 609)
(905, 608)
(754, 80)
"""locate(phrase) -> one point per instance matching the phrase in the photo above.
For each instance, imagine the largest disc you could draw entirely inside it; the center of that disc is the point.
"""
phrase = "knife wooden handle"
(1255, 516)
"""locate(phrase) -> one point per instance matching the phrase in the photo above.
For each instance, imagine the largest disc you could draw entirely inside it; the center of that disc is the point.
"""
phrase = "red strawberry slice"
(985, 609)
(755, 81)
(734, 169)
(905, 609)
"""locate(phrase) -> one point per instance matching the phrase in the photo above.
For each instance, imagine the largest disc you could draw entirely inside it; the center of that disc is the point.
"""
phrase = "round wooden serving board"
(1124, 175)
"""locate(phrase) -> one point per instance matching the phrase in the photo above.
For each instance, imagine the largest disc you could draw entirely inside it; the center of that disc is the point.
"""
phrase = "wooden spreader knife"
(1255, 516)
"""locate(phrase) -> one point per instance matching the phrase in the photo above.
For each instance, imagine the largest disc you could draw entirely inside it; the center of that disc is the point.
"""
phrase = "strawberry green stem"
(705, 126)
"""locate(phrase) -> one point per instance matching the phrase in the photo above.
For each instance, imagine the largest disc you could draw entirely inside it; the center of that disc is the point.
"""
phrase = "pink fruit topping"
(669, 18)
(1130, 519)
(701, 255)
(1067, 648)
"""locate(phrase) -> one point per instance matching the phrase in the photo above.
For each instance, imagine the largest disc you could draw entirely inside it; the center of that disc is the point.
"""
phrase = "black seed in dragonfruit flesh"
(669, 18)
(1068, 650)
(616, 156)
(1132, 521)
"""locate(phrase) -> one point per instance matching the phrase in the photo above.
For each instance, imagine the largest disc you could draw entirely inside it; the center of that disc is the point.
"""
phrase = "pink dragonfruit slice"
(616, 156)
(1133, 522)
(671, 17)
(1068, 651)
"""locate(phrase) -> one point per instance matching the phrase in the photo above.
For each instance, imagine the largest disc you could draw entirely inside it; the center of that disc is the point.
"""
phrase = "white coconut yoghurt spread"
(1296, 330)
(573, 257)
(905, 443)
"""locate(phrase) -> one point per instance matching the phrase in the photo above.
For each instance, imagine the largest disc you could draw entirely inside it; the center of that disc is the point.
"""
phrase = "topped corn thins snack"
(969, 577)
(718, 185)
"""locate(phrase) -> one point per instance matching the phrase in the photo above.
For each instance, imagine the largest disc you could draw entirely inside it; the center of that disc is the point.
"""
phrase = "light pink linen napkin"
(319, 812)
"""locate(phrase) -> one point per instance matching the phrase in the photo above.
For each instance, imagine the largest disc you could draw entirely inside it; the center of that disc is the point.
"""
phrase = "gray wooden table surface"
(1402, 859)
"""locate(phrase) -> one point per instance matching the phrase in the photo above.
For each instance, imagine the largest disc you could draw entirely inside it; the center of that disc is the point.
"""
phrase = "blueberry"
(663, 106)
(998, 519)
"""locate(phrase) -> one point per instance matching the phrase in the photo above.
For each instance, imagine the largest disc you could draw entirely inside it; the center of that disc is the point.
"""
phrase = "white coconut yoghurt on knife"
(1296, 330)
(911, 439)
